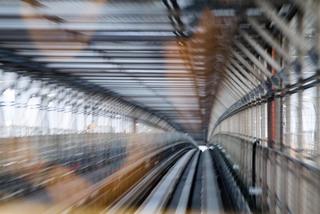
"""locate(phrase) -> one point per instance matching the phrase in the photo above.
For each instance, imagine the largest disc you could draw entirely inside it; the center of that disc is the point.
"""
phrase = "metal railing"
(30, 163)
(277, 182)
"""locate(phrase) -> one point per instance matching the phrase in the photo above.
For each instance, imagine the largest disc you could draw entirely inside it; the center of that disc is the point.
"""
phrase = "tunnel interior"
(101, 99)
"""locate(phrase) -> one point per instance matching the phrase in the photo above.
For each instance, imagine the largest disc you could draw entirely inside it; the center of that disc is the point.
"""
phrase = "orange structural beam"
(273, 107)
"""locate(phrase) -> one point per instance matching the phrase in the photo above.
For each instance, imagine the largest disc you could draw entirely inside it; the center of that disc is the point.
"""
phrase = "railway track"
(189, 186)
(184, 182)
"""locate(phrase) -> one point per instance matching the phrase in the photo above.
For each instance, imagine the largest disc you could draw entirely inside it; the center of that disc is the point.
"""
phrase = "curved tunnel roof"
(187, 61)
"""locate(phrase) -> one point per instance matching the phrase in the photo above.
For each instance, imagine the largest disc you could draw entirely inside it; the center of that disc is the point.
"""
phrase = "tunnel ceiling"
(166, 56)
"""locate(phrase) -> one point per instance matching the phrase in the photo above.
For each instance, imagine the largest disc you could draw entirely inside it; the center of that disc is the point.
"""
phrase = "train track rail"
(192, 175)
(184, 182)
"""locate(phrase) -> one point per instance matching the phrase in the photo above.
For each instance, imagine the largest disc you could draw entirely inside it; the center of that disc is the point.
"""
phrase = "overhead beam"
(260, 78)
(295, 37)
(268, 38)
(260, 51)
(234, 66)
(261, 67)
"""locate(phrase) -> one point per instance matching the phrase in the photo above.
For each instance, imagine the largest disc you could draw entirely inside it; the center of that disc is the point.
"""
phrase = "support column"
(300, 55)
(134, 126)
(271, 112)
(317, 131)
(271, 123)
(278, 115)
(286, 105)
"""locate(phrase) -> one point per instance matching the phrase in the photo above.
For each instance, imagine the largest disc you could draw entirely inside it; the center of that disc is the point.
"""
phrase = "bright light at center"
(203, 148)
(51, 95)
